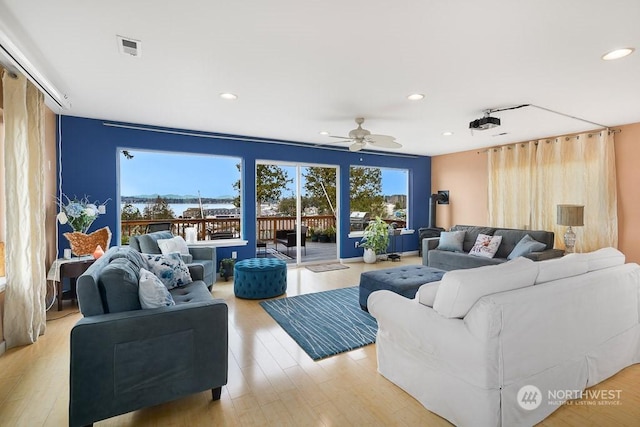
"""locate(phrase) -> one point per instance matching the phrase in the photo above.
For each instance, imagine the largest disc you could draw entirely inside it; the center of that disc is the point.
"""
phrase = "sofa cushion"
(451, 241)
(118, 286)
(526, 245)
(486, 246)
(460, 289)
(560, 268)
(599, 259)
(444, 260)
(124, 252)
(193, 292)
(169, 268)
(427, 293)
(471, 234)
(152, 292)
(511, 237)
(148, 243)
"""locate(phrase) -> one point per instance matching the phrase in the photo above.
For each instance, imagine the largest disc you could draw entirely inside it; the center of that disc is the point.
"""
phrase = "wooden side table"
(71, 269)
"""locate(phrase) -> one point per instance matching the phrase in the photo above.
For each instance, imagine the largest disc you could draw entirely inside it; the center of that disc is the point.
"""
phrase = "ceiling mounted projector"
(485, 123)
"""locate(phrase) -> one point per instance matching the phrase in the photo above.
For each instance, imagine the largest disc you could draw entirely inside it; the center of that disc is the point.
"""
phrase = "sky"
(151, 172)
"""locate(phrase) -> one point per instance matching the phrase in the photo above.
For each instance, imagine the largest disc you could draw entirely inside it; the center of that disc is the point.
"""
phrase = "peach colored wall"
(465, 176)
(628, 179)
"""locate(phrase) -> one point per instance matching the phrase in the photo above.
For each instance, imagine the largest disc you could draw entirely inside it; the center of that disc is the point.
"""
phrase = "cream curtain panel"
(24, 314)
(528, 180)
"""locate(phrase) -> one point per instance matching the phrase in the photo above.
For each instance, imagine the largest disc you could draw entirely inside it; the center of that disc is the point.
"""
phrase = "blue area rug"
(325, 323)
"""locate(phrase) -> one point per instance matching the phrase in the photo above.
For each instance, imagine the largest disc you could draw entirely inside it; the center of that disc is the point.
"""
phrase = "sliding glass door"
(297, 212)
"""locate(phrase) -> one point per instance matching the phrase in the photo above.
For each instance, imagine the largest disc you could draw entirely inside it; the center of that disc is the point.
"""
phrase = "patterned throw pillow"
(486, 246)
(152, 292)
(169, 268)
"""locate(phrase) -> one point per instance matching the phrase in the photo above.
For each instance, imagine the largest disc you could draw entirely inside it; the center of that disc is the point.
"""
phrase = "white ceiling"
(303, 66)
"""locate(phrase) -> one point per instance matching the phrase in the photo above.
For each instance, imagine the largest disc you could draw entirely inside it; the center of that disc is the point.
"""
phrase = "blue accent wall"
(90, 165)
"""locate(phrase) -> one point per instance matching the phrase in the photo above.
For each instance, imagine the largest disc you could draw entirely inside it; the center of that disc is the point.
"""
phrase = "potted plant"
(313, 234)
(323, 237)
(331, 232)
(226, 267)
(375, 240)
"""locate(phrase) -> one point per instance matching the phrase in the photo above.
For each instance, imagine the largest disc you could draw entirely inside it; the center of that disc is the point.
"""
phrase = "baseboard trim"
(3, 347)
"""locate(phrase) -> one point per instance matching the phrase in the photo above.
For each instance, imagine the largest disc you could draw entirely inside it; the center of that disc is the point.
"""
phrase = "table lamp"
(573, 216)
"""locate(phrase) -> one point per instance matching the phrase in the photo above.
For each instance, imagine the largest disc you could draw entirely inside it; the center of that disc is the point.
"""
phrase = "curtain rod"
(549, 138)
(251, 139)
(517, 107)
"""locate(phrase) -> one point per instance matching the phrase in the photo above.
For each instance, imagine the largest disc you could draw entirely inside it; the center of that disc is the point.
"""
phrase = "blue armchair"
(206, 256)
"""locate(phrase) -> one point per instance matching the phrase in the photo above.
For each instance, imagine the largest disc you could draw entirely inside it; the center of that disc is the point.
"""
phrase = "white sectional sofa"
(467, 345)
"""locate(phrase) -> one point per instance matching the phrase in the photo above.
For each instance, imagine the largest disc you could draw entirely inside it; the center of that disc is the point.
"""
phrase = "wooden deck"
(315, 252)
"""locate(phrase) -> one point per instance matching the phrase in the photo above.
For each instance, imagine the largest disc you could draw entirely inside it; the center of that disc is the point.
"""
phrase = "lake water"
(178, 208)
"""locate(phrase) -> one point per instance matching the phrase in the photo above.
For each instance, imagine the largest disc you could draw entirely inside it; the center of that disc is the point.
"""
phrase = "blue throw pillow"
(526, 245)
(451, 241)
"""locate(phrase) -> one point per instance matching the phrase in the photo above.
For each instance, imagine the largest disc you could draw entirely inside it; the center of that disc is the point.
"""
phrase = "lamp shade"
(571, 215)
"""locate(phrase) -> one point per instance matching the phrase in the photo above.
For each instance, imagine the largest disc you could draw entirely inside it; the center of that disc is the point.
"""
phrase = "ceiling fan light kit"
(360, 137)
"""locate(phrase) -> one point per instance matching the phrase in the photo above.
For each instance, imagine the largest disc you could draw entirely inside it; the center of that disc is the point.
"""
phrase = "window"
(180, 190)
(379, 192)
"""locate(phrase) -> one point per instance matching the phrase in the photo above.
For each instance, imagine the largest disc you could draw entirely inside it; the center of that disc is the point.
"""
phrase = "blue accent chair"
(206, 256)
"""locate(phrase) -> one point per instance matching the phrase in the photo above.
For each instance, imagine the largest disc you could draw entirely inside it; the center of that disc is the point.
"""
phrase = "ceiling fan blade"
(385, 141)
(356, 146)
(340, 137)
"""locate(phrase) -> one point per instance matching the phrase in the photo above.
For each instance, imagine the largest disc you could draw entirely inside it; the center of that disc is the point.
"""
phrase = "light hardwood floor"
(271, 380)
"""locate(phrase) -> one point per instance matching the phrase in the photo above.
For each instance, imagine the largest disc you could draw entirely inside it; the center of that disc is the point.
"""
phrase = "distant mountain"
(174, 196)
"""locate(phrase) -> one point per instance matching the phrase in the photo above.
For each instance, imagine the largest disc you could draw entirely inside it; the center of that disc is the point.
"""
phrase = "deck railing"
(210, 228)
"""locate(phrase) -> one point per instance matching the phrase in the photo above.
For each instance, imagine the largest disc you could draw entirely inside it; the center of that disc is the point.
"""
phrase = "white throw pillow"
(602, 258)
(560, 268)
(152, 292)
(169, 268)
(451, 241)
(486, 246)
(460, 289)
(427, 293)
(175, 244)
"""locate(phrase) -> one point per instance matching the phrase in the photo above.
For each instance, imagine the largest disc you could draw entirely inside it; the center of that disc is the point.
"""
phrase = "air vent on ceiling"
(129, 46)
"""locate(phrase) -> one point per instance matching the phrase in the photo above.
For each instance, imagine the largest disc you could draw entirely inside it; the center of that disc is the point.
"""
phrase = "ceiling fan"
(361, 137)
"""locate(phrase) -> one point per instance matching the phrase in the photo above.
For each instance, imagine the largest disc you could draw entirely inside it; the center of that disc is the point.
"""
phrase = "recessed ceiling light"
(447, 133)
(415, 97)
(229, 96)
(323, 132)
(618, 53)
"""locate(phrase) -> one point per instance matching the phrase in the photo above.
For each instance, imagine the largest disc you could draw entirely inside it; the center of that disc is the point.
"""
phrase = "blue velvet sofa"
(206, 256)
(124, 358)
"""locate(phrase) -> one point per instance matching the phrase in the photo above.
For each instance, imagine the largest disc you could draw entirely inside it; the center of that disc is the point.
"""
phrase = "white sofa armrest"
(448, 344)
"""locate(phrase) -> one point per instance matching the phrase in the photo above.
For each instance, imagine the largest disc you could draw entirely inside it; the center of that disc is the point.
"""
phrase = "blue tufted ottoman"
(403, 280)
(258, 278)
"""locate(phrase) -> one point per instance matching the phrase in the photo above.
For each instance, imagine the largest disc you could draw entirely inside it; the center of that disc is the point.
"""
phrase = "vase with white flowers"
(80, 214)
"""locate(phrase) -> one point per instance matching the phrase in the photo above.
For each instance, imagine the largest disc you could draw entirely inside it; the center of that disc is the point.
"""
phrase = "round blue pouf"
(258, 278)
